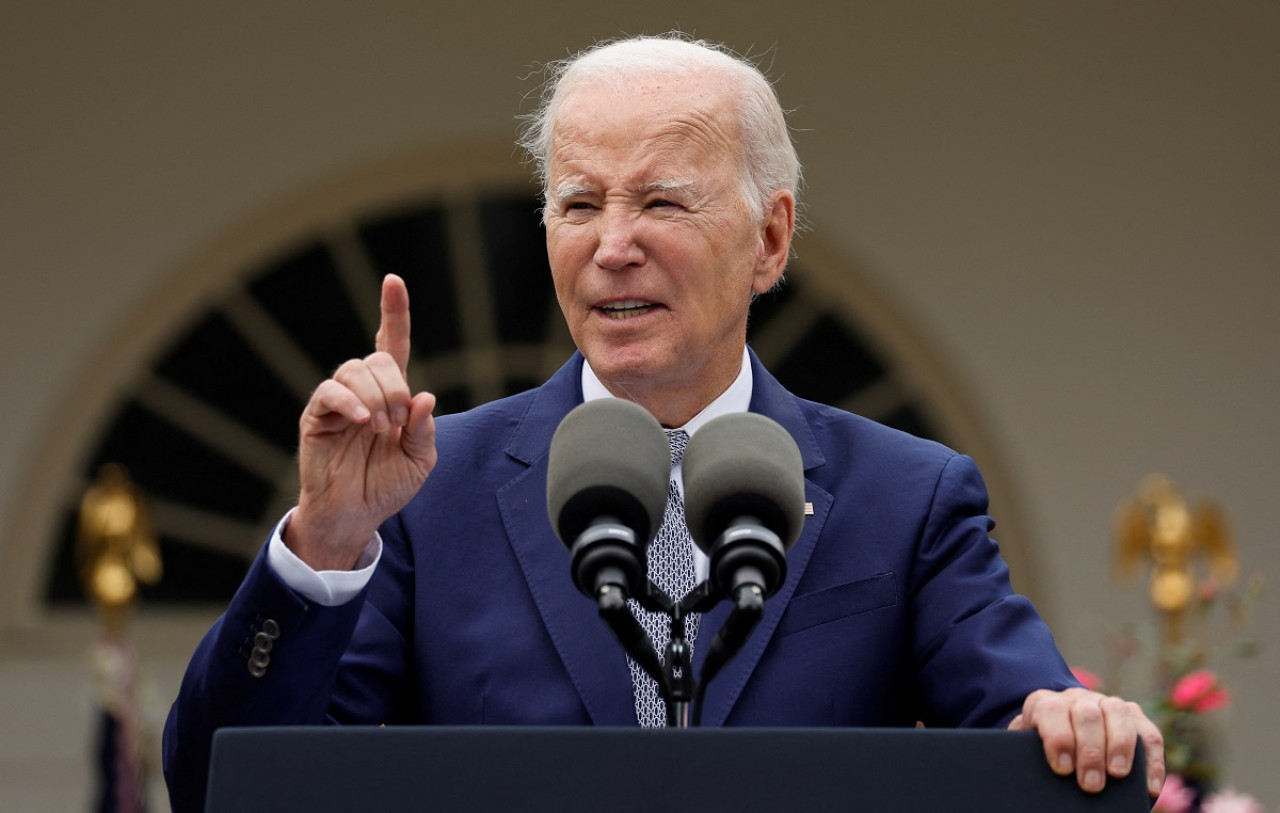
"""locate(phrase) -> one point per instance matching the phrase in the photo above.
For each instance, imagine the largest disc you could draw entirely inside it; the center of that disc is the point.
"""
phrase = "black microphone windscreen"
(609, 457)
(743, 464)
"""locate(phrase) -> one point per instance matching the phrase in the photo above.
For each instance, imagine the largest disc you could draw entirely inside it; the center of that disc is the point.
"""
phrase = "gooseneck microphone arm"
(612, 604)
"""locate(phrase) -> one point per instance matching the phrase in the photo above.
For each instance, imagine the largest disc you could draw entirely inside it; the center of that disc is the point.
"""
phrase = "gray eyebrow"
(568, 190)
(673, 185)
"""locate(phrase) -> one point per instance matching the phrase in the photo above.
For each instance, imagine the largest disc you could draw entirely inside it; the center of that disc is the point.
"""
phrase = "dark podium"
(602, 770)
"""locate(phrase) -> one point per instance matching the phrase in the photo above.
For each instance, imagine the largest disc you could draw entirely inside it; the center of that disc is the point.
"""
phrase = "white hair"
(768, 163)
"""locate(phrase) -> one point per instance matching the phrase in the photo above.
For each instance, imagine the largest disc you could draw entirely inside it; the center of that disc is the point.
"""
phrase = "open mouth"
(626, 309)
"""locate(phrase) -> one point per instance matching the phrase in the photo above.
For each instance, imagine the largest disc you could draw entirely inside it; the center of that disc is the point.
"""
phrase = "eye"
(662, 203)
(577, 209)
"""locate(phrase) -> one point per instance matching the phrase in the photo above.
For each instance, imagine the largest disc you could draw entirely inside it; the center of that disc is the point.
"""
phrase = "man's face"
(653, 249)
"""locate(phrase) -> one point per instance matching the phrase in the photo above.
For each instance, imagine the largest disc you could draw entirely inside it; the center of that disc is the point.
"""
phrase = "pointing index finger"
(393, 332)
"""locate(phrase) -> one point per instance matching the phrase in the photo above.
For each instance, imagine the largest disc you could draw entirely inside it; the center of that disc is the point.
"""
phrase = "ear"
(774, 245)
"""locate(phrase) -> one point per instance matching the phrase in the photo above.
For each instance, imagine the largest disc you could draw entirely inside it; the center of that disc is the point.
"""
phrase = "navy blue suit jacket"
(896, 607)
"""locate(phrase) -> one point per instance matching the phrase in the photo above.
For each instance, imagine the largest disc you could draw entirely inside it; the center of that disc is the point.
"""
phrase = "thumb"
(418, 438)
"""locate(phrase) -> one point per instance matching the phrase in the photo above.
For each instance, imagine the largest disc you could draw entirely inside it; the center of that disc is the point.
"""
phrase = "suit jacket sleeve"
(297, 646)
(979, 648)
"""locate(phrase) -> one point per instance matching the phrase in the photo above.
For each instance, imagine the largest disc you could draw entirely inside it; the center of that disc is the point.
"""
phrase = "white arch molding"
(825, 285)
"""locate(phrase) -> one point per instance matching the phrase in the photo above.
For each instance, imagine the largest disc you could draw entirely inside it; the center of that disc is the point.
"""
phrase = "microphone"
(744, 501)
(607, 476)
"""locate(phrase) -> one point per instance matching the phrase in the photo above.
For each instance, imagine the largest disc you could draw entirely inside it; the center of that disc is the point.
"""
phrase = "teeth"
(626, 309)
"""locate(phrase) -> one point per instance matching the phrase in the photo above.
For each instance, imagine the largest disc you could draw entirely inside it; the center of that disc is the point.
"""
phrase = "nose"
(618, 244)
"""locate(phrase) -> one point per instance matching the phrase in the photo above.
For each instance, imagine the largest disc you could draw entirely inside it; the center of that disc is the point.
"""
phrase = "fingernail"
(402, 416)
(1154, 786)
(1119, 766)
(380, 422)
(1093, 779)
(1064, 764)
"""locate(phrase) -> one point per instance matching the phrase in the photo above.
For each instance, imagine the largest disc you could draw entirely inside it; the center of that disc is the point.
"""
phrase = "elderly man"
(418, 580)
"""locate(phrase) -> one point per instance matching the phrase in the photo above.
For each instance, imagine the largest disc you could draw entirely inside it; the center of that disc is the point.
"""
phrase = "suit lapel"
(592, 657)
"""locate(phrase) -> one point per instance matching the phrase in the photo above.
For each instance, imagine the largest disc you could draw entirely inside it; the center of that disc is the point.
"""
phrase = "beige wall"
(1077, 203)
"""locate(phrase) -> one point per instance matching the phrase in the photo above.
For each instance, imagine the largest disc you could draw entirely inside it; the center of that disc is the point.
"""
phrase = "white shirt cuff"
(328, 588)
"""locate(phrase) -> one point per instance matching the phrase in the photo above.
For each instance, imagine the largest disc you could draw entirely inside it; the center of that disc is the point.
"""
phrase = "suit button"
(264, 640)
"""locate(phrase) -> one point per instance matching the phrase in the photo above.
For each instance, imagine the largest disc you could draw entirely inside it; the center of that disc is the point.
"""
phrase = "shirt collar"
(737, 398)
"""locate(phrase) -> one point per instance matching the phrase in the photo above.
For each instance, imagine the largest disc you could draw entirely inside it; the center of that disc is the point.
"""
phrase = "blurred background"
(1045, 233)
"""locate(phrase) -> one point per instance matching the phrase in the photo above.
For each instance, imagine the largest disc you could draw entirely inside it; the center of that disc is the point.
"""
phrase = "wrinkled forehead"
(685, 112)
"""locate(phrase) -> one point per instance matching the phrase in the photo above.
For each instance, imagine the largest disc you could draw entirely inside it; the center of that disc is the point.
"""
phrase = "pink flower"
(1090, 680)
(1176, 797)
(1199, 691)
(1228, 801)
(1212, 701)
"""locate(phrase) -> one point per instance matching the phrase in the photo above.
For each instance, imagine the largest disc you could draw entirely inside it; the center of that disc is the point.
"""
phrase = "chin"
(624, 366)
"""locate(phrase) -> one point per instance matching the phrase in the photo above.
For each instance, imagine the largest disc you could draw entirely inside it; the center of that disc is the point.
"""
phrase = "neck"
(674, 404)
(671, 411)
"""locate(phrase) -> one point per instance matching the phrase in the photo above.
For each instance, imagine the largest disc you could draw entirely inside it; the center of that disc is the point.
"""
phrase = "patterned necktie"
(670, 559)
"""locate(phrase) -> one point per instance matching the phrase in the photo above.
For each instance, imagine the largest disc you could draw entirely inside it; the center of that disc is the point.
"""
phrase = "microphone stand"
(674, 673)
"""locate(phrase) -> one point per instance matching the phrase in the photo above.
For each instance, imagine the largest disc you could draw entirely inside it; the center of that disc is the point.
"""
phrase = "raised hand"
(366, 446)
